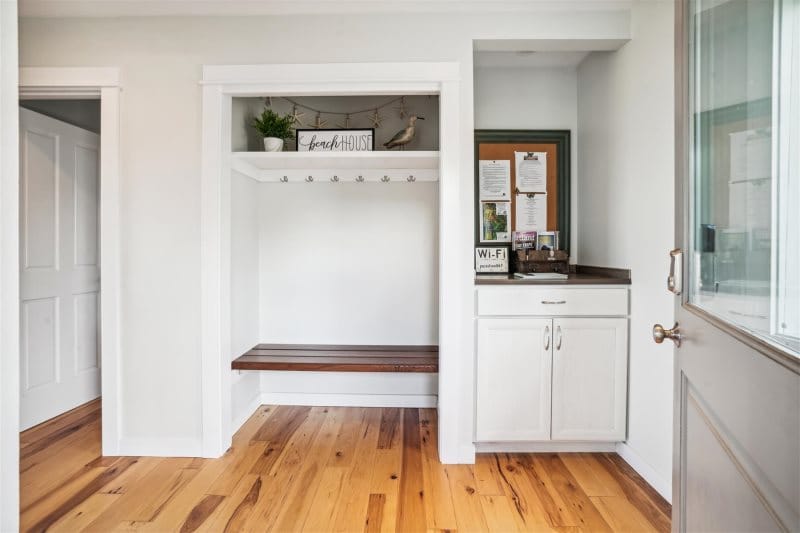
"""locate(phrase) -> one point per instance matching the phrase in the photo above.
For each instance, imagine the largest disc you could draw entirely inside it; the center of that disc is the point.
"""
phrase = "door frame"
(220, 85)
(102, 84)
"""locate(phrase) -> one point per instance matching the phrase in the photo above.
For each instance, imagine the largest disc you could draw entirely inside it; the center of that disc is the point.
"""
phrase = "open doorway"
(59, 256)
(54, 94)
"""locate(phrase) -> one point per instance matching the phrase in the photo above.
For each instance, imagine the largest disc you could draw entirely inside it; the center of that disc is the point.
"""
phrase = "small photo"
(547, 240)
(494, 222)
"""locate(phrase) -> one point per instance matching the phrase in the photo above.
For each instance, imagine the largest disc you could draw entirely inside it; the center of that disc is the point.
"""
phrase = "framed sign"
(491, 260)
(336, 140)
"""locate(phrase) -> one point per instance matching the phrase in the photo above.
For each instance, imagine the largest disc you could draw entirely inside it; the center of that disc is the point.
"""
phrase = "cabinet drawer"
(540, 301)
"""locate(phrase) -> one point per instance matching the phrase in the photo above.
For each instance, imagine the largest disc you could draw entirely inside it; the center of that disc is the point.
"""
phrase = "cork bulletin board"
(501, 144)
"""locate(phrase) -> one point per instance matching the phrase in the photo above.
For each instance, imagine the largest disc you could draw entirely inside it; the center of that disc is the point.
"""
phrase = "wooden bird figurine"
(404, 136)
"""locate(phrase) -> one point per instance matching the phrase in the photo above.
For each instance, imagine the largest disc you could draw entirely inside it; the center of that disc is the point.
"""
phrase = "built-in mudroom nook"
(334, 250)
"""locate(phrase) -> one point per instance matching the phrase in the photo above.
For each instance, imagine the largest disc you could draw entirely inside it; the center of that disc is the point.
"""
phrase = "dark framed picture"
(492, 259)
(336, 140)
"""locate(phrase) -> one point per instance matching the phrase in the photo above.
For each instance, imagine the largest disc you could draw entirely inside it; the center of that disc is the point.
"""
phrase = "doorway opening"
(89, 99)
(59, 238)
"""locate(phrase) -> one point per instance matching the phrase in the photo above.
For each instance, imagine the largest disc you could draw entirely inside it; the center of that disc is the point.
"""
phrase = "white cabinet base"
(551, 369)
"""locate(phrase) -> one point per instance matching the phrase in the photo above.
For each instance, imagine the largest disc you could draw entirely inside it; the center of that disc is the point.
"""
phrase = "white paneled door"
(59, 267)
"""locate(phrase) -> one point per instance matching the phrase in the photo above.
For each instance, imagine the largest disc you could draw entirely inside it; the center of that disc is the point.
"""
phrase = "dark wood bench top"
(340, 358)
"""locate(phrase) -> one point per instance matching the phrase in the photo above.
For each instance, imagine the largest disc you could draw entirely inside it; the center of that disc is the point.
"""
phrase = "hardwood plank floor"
(322, 469)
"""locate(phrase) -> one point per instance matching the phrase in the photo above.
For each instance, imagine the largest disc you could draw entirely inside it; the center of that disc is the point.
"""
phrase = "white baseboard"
(629, 455)
(348, 400)
(161, 447)
(544, 447)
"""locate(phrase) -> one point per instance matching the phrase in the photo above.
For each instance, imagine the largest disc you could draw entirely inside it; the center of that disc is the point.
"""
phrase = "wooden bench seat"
(339, 358)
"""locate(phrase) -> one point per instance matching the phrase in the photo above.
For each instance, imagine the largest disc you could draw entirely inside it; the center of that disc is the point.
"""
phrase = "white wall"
(245, 386)
(9, 271)
(349, 263)
(532, 99)
(626, 200)
(160, 60)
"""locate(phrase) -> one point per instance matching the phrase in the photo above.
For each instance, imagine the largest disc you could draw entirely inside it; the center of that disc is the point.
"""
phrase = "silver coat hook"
(335, 179)
(285, 179)
(385, 179)
(309, 179)
(360, 179)
(411, 179)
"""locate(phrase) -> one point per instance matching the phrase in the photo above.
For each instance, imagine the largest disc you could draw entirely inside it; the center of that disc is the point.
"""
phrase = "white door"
(59, 267)
(737, 344)
(590, 368)
(513, 375)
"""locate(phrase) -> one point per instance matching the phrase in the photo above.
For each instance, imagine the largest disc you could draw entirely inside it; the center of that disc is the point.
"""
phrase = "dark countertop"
(582, 275)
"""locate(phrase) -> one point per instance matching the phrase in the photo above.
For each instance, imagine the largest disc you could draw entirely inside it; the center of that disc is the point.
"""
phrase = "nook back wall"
(348, 263)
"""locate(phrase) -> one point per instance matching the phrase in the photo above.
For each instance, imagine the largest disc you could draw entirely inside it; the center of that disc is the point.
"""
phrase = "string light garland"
(374, 112)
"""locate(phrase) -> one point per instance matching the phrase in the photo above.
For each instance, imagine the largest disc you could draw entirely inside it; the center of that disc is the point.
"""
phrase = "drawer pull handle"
(553, 302)
(546, 338)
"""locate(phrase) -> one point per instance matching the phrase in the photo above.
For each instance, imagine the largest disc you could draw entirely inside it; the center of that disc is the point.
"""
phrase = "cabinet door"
(590, 370)
(513, 376)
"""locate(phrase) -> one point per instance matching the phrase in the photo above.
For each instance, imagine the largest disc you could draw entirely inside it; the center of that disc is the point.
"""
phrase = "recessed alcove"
(334, 256)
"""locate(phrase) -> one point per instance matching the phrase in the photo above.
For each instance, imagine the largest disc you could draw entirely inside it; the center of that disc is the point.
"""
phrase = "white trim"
(219, 85)
(103, 83)
(392, 74)
(160, 447)
(663, 485)
(349, 400)
(9, 270)
(544, 447)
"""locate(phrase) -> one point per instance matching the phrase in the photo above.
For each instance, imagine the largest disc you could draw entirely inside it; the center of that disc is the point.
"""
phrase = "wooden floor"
(323, 469)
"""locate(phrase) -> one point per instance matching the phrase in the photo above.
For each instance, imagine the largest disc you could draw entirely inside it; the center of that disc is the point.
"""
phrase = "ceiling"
(121, 8)
(529, 59)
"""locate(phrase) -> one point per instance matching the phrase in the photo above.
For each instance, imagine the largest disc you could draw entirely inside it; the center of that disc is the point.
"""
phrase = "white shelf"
(338, 166)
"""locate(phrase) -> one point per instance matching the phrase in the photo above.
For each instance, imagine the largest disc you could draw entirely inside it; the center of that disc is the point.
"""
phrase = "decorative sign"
(491, 260)
(336, 140)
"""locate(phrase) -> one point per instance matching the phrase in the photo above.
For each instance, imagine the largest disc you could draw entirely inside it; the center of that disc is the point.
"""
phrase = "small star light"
(346, 124)
(319, 123)
(402, 107)
(376, 119)
(296, 115)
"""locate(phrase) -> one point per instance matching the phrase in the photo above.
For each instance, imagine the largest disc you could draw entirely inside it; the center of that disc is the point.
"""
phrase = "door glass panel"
(744, 194)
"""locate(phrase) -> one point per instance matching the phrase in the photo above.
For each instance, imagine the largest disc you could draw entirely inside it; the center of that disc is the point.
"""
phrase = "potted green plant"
(274, 128)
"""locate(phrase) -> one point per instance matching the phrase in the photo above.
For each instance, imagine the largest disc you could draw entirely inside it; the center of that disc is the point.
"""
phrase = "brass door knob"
(660, 333)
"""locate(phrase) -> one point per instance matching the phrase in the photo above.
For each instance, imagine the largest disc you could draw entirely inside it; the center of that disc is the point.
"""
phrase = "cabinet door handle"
(547, 337)
(553, 302)
(558, 337)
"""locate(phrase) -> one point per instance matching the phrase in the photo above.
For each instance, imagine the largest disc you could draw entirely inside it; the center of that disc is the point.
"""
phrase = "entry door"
(59, 270)
(737, 397)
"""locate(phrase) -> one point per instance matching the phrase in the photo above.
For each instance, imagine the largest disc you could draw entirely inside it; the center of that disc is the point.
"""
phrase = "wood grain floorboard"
(324, 469)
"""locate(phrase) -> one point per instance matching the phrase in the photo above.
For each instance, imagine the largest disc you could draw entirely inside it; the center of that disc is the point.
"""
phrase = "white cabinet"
(514, 373)
(590, 369)
(552, 378)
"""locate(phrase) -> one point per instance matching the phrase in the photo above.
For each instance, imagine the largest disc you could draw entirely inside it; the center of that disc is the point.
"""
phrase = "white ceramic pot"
(273, 144)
